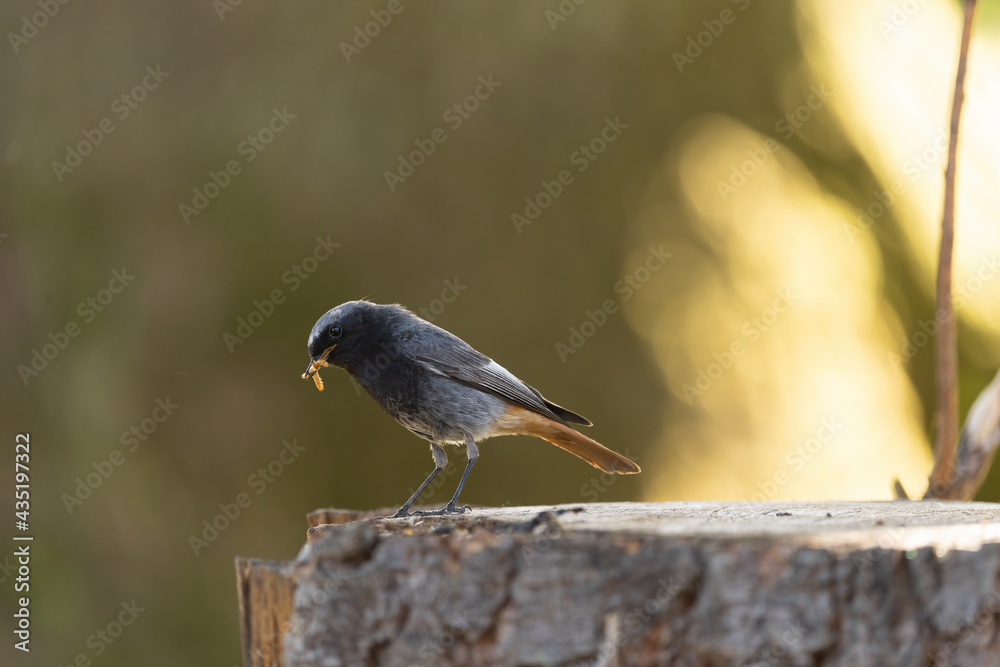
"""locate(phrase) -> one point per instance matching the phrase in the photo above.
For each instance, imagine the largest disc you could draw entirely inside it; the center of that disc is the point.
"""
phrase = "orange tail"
(520, 421)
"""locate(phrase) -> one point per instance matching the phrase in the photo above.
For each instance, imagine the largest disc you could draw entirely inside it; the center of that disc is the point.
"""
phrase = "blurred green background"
(784, 154)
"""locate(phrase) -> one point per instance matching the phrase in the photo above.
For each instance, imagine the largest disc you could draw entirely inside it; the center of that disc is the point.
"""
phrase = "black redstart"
(441, 389)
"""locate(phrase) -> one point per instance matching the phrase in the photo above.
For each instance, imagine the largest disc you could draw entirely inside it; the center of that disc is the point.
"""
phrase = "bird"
(442, 390)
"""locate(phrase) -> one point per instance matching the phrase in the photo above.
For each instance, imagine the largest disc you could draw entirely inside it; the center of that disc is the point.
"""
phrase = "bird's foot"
(451, 509)
(447, 510)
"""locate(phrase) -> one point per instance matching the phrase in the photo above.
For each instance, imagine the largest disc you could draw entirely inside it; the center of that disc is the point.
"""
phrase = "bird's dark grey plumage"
(440, 388)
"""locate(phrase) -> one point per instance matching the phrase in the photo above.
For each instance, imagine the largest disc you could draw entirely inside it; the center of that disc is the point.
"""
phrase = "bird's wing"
(464, 364)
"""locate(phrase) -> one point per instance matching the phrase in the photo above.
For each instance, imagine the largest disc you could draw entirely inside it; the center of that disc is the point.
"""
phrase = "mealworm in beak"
(316, 365)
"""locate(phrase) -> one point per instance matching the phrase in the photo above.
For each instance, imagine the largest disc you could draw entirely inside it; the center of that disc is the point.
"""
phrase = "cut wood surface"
(264, 592)
(723, 583)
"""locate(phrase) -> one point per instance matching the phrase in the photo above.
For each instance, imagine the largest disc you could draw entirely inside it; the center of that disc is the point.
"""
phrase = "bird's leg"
(440, 461)
(473, 451)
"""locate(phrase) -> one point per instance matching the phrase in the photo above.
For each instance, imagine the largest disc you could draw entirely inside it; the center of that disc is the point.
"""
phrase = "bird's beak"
(315, 364)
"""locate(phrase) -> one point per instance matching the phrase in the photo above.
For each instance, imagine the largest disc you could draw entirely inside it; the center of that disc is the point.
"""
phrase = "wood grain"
(653, 584)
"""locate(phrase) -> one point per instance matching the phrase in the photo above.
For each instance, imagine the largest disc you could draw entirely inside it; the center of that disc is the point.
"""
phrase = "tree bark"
(651, 584)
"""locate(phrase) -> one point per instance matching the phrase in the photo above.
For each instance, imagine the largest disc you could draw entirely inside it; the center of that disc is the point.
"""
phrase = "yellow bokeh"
(771, 329)
(895, 72)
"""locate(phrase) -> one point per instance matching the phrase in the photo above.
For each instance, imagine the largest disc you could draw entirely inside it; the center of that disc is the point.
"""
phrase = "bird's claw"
(447, 510)
(460, 510)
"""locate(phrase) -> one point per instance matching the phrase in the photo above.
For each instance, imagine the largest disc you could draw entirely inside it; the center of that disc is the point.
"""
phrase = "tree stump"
(722, 583)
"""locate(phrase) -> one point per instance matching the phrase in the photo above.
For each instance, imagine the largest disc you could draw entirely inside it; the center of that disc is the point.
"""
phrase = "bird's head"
(343, 334)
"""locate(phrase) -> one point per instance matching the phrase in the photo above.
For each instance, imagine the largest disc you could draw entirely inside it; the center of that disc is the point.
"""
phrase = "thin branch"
(976, 447)
(947, 347)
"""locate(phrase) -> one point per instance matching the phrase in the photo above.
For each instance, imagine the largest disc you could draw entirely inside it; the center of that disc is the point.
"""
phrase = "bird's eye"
(335, 331)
